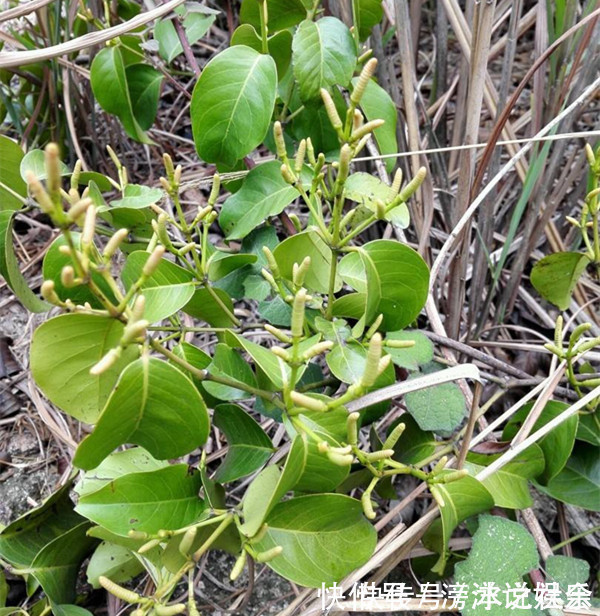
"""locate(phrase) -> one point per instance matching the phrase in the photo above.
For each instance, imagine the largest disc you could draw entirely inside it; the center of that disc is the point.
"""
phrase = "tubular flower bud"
(106, 362)
(137, 534)
(441, 464)
(266, 556)
(133, 331)
(73, 196)
(393, 436)
(169, 610)
(78, 208)
(397, 183)
(168, 163)
(411, 188)
(300, 270)
(323, 447)
(177, 175)
(347, 219)
(300, 156)
(76, 175)
(53, 176)
(380, 209)
(399, 344)
(295, 221)
(330, 108)
(374, 327)
(340, 459)
(153, 261)
(39, 193)
(273, 266)
(372, 364)
(214, 191)
(453, 476)
(260, 535)
(279, 141)
(358, 120)
(363, 81)
(352, 428)
(288, 175)
(148, 546)
(114, 242)
(240, 563)
(384, 362)
(275, 331)
(589, 152)
(383, 454)
(306, 402)
(365, 129)
(269, 278)
(310, 151)
(114, 157)
(317, 349)
(165, 184)
(67, 276)
(298, 313)
(367, 506)
(160, 228)
(281, 353)
(89, 227)
(118, 591)
(344, 166)
(49, 294)
(187, 541)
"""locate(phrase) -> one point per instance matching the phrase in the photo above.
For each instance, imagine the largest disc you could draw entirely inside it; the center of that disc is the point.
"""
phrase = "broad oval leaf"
(167, 290)
(413, 357)
(404, 283)
(368, 13)
(263, 193)
(279, 45)
(282, 13)
(556, 275)
(205, 307)
(35, 161)
(13, 189)
(249, 446)
(153, 405)
(229, 363)
(232, 104)
(9, 267)
(63, 351)
(116, 562)
(144, 89)
(109, 85)
(324, 537)
(165, 499)
(323, 55)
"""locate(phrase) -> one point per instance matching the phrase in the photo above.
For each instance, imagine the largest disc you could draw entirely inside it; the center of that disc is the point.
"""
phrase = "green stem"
(223, 307)
(264, 30)
(331, 292)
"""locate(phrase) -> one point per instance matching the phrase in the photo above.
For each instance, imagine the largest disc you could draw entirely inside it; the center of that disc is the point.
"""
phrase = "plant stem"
(263, 25)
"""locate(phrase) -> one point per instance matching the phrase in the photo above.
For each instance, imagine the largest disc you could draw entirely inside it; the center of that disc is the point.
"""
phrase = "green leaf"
(509, 485)
(134, 460)
(282, 13)
(377, 104)
(232, 104)
(22, 540)
(502, 553)
(275, 311)
(578, 483)
(347, 361)
(9, 267)
(415, 444)
(144, 88)
(35, 161)
(588, 429)
(63, 351)
(110, 88)
(221, 263)
(324, 538)
(56, 566)
(54, 261)
(264, 193)
(166, 499)
(365, 189)
(205, 307)
(70, 610)
(269, 487)
(10, 176)
(323, 55)
(153, 405)
(307, 244)
(196, 25)
(567, 571)
(457, 500)
(368, 14)
(198, 359)
(249, 446)
(413, 357)
(557, 445)
(404, 284)
(556, 275)
(440, 408)
(229, 363)
(115, 562)
(279, 45)
(166, 291)
(136, 196)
